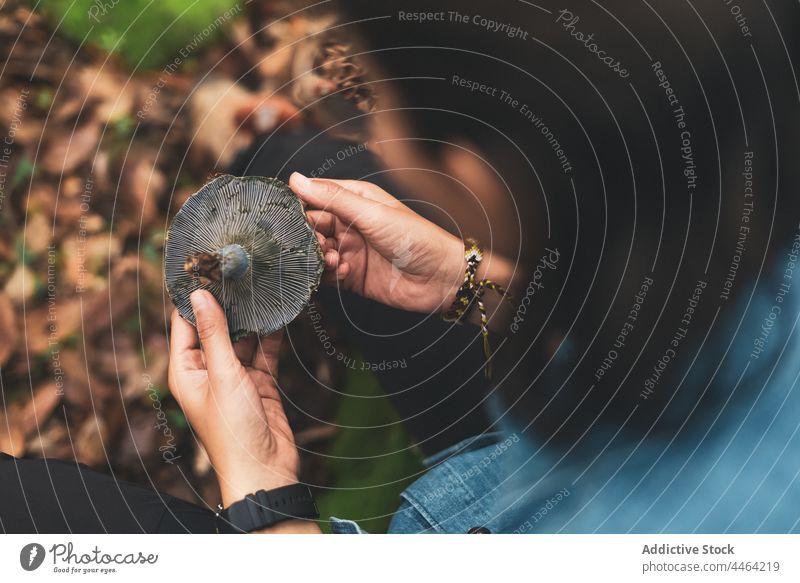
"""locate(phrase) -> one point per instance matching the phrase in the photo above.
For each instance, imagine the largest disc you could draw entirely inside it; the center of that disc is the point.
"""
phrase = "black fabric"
(439, 393)
(55, 496)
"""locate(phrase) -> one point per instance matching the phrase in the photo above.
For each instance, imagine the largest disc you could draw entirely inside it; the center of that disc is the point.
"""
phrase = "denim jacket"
(734, 470)
(455, 495)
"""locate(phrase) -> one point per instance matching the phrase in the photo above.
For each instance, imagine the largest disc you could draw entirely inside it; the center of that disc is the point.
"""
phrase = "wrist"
(495, 268)
(282, 510)
(455, 265)
(292, 527)
(236, 488)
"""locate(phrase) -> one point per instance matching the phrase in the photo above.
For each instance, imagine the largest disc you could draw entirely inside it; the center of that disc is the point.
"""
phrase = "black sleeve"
(55, 496)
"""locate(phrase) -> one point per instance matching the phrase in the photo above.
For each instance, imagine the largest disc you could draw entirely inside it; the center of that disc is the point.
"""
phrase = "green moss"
(44, 99)
(367, 490)
(24, 170)
(154, 32)
(176, 418)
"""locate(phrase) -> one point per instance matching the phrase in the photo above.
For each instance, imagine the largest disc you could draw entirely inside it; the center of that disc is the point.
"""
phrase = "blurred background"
(88, 189)
(113, 112)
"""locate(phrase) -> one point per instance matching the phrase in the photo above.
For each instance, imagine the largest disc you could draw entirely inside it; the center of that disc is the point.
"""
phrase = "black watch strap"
(267, 507)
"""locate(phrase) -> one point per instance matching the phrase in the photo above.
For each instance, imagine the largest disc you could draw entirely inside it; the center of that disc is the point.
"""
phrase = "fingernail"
(199, 299)
(303, 182)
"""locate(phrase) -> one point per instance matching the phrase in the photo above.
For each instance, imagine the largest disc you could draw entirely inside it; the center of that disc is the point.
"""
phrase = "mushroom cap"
(284, 261)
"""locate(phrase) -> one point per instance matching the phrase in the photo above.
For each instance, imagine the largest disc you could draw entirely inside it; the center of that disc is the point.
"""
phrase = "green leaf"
(177, 419)
(23, 172)
(368, 489)
(148, 34)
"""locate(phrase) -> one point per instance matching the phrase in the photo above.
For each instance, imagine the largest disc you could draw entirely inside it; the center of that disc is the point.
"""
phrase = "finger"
(323, 222)
(334, 198)
(269, 392)
(331, 259)
(330, 245)
(245, 348)
(267, 351)
(183, 337)
(337, 275)
(367, 190)
(212, 329)
(327, 243)
(329, 277)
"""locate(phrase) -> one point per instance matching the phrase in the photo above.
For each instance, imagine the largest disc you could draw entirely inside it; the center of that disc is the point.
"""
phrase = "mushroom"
(248, 242)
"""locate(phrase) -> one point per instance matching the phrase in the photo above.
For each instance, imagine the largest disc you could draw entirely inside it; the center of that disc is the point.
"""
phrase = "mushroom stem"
(235, 261)
(230, 262)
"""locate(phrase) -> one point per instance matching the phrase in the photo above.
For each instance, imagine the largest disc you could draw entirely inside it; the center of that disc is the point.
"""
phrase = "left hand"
(379, 248)
(230, 397)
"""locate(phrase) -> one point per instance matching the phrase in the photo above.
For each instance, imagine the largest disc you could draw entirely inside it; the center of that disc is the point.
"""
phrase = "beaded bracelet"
(470, 293)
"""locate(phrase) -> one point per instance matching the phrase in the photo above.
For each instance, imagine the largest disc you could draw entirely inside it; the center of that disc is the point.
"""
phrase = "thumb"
(351, 208)
(212, 329)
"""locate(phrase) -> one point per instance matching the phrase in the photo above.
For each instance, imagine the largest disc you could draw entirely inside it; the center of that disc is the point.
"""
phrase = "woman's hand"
(379, 248)
(230, 397)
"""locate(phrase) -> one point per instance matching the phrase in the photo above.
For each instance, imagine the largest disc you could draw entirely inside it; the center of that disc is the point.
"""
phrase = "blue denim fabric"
(455, 494)
(732, 468)
(344, 526)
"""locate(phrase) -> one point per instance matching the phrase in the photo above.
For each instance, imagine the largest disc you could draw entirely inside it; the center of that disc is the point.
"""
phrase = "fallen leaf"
(51, 442)
(8, 324)
(21, 420)
(12, 440)
(91, 441)
(21, 286)
(67, 149)
(38, 233)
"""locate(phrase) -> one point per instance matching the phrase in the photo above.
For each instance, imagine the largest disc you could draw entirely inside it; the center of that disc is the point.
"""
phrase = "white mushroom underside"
(267, 220)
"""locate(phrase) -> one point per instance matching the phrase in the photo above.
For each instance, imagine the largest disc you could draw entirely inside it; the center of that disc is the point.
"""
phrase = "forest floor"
(100, 149)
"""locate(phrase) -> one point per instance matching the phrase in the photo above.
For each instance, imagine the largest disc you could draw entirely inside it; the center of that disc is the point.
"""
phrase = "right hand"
(377, 247)
(231, 398)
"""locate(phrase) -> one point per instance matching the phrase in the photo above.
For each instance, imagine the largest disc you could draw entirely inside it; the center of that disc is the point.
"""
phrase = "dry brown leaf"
(67, 149)
(141, 184)
(51, 442)
(86, 314)
(139, 378)
(72, 186)
(77, 390)
(21, 420)
(91, 441)
(8, 324)
(114, 92)
(35, 413)
(41, 198)
(68, 108)
(137, 445)
(12, 439)
(38, 233)
(21, 286)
